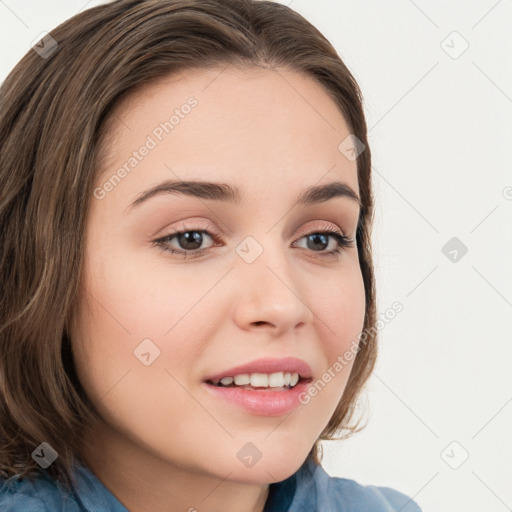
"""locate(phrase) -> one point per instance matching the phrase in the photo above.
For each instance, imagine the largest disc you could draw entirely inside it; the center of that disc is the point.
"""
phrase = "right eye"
(193, 238)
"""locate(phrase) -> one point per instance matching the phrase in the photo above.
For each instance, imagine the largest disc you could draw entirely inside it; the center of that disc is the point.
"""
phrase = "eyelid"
(195, 226)
(190, 225)
(326, 226)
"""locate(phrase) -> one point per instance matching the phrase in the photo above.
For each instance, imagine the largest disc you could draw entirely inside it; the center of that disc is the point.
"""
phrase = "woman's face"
(155, 325)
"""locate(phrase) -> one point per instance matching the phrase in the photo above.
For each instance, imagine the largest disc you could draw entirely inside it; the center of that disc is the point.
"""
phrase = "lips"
(260, 403)
(266, 365)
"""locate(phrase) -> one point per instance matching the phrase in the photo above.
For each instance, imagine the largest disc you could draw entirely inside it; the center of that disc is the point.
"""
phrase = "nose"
(270, 293)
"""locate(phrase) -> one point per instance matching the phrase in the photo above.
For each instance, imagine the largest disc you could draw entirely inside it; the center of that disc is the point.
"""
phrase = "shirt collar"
(92, 495)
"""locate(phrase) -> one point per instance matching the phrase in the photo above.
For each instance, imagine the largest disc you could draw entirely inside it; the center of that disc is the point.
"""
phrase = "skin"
(165, 444)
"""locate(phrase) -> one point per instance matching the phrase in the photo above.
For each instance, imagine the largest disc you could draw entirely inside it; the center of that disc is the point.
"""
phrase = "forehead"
(272, 128)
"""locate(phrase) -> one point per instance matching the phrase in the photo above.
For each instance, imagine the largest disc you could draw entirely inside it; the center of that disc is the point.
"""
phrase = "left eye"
(190, 240)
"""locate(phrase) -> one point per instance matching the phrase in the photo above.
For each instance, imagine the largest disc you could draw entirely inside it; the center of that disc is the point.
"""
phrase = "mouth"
(263, 373)
(279, 381)
(264, 387)
(259, 400)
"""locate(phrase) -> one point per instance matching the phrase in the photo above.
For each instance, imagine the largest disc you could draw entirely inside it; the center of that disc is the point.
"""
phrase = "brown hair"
(54, 121)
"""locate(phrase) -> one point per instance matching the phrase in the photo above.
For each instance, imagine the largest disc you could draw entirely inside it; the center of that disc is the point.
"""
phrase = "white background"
(440, 130)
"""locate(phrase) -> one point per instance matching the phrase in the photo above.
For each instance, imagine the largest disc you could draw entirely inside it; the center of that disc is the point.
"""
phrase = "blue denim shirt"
(310, 489)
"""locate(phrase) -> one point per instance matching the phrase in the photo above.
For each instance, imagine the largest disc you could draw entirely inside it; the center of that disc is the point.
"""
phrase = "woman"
(189, 302)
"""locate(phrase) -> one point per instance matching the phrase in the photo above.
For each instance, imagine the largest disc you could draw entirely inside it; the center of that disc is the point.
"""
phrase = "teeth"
(242, 380)
(259, 380)
(262, 380)
(276, 380)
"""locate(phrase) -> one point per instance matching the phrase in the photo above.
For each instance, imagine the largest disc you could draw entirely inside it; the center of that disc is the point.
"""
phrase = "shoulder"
(371, 497)
(33, 494)
(42, 493)
(318, 490)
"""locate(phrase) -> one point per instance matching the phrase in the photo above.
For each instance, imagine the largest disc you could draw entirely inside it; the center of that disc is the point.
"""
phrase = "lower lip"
(264, 402)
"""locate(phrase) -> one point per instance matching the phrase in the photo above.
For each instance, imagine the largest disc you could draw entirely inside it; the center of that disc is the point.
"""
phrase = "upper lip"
(267, 365)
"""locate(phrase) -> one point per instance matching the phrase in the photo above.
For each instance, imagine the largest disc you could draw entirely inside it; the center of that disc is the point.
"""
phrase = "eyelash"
(342, 241)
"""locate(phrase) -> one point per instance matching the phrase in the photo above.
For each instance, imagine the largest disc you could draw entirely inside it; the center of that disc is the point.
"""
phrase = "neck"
(141, 481)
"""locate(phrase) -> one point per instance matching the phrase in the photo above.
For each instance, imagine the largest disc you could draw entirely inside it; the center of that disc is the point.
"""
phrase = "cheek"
(127, 301)
(121, 316)
(341, 310)
(143, 292)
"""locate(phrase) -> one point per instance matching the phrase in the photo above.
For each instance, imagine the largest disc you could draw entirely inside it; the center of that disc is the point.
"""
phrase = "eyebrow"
(227, 193)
